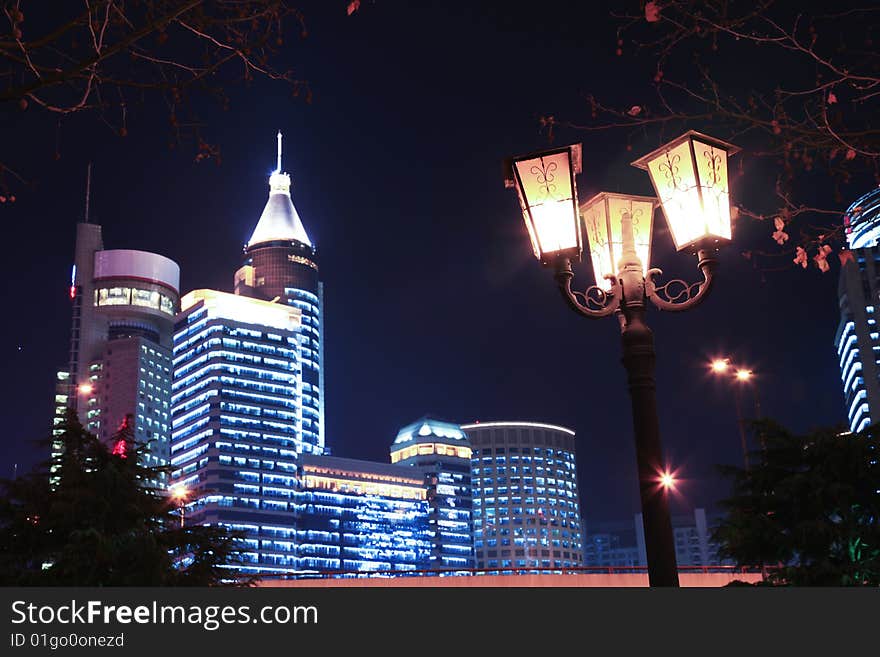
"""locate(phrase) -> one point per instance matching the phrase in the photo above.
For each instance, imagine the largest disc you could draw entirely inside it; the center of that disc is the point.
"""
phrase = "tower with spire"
(280, 265)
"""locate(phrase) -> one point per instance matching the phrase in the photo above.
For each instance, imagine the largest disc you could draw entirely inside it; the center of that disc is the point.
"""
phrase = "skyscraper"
(441, 452)
(280, 264)
(858, 338)
(124, 303)
(525, 495)
(236, 413)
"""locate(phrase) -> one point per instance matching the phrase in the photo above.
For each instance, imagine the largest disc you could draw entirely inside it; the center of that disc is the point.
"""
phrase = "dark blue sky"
(434, 303)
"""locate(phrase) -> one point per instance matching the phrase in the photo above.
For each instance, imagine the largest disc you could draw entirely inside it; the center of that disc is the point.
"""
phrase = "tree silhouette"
(808, 508)
(87, 517)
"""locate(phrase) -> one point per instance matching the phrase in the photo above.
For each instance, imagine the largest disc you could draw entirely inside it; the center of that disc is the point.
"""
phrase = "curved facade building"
(858, 339)
(280, 264)
(525, 495)
(124, 303)
(441, 453)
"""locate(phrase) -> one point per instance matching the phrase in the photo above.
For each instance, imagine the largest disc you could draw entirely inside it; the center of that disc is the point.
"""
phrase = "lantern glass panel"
(549, 204)
(603, 218)
(712, 169)
(675, 181)
(595, 218)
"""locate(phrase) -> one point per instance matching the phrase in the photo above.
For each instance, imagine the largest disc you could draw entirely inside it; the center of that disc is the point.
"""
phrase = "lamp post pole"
(690, 177)
(639, 360)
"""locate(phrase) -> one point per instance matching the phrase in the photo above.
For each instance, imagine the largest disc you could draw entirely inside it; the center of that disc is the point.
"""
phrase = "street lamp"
(741, 376)
(180, 493)
(690, 177)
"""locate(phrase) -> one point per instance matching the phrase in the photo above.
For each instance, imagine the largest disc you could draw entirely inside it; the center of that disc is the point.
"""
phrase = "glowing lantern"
(690, 177)
(610, 221)
(547, 193)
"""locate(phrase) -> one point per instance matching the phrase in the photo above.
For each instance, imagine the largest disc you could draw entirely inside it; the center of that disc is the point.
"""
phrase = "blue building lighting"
(236, 410)
(441, 452)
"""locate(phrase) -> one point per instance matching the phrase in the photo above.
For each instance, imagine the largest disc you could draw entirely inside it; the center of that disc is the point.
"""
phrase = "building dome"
(862, 221)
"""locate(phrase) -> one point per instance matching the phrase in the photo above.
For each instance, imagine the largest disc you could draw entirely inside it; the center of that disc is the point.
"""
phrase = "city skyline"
(434, 304)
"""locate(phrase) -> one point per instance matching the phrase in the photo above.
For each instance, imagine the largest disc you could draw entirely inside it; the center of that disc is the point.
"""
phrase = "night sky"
(434, 303)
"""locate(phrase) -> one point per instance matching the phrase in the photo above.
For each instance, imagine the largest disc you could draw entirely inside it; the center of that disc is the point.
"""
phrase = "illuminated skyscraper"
(441, 452)
(280, 264)
(525, 495)
(124, 303)
(237, 414)
(858, 338)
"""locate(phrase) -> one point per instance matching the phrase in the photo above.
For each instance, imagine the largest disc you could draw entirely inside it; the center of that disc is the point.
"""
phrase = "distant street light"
(741, 376)
(689, 176)
(667, 480)
(180, 493)
(720, 365)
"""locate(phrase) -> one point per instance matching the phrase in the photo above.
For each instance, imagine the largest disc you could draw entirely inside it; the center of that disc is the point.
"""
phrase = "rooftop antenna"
(88, 190)
(278, 168)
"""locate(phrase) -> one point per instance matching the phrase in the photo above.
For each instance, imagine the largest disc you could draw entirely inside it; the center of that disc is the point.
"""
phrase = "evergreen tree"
(87, 517)
(808, 509)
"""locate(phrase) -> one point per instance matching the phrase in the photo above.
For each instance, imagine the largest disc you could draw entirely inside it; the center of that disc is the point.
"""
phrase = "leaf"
(781, 237)
(832, 98)
(635, 110)
(845, 257)
(801, 258)
(353, 6)
(779, 223)
(850, 154)
(652, 12)
(821, 258)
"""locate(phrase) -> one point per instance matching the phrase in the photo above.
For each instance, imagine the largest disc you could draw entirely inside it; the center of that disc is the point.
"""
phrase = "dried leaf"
(801, 258)
(635, 110)
(781, 237)
(832, 98)
(850, 154)
(779, 223)
(652, 12)
(353, 6)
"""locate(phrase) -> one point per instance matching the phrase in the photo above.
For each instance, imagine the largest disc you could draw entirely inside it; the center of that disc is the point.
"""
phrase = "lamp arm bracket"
(594, 302)
(677, 295)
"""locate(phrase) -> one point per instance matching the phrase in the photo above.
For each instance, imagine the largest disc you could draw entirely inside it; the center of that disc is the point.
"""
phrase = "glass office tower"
(123, 307)
(237, 416)
(280, 264)
(526, 509)
(858, 338)
(442, 453)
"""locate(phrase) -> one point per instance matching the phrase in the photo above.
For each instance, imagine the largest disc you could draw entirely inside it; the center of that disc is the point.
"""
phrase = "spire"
(280, 221)
(278, 168)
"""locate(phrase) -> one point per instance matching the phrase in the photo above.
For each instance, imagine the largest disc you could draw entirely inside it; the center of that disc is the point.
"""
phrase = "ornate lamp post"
(690, 177)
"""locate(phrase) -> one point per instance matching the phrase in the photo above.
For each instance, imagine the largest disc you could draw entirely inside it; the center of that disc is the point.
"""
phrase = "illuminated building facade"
(237, 414)
(525, 495)
(124, 302)
(280, 264)
(362, 516)
(858, 338)
(441, 452)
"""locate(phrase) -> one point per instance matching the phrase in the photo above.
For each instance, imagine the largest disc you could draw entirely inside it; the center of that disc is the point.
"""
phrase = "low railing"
(475, 572)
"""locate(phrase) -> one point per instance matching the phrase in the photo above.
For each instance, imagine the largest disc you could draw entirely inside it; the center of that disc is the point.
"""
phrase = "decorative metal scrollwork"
(677, 294)
(592, 302)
